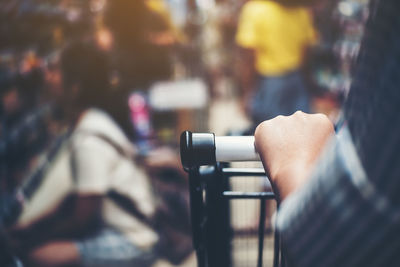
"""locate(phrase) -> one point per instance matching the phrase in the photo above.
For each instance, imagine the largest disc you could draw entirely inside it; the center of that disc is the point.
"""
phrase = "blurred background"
(156, 67)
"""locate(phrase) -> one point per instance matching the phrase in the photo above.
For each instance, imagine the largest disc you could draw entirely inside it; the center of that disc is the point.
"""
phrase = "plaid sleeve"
(349, 213)
(339, 218)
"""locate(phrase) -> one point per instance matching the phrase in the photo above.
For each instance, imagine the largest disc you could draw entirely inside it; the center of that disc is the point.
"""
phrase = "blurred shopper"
(340, 204)
(217, 43)
(22, 120)
(19, 94)
(274, 39)
(94, 179)
(144, 34)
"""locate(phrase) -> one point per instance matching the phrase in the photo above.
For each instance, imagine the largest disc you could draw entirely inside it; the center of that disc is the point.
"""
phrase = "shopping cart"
(205, 157)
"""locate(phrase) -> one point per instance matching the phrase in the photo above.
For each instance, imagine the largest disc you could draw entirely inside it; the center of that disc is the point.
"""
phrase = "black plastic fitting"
(197, 149)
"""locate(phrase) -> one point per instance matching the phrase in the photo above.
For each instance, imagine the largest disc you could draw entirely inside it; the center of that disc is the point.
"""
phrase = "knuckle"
(280, 119)
(299, 113)
(298, 116)
(323, 120)
(319, 117)
(262, 128)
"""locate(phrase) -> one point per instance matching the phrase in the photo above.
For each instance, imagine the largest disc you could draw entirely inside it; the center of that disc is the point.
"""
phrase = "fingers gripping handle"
(199, 149)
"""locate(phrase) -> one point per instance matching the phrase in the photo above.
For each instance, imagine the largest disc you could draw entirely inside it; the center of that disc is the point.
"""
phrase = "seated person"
(91, 180)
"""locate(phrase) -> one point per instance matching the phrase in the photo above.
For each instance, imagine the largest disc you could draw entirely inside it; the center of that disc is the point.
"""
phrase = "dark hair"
(85, 66)
(128, 20)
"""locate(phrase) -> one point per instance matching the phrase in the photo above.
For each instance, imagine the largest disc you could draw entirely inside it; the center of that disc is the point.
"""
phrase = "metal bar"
(261, 229)
(277, 241)
(217, 226)
(243, 171)
(248, 195)
(198, 216)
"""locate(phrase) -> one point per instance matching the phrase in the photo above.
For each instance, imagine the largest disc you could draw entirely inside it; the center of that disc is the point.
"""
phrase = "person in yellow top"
(273, 38)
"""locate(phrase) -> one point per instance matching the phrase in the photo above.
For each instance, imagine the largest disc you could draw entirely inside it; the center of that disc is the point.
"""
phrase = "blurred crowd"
(90, 172)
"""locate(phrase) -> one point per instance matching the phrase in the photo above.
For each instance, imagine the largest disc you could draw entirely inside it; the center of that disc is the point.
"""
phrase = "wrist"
(289, 179)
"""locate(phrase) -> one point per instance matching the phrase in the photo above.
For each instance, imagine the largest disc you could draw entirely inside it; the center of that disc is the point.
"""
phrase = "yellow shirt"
(278, 34)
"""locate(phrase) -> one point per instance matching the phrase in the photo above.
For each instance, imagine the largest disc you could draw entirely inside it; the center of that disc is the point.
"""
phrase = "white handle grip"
(235, 148)
(200, 149)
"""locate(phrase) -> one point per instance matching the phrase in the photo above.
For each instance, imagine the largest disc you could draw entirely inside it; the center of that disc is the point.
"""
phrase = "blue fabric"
(279, 95)
(108, 248)
(340, 218)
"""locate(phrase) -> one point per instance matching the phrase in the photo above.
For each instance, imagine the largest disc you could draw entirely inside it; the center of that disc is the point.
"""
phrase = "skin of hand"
(289, 147)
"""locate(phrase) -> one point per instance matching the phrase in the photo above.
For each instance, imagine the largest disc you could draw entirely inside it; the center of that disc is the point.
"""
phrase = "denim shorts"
(279, 95)
(108, 247)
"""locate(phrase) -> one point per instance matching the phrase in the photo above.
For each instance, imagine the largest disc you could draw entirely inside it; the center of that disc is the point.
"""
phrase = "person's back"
(103, 161)
(273, 39)
(93, 173)
(279, 35)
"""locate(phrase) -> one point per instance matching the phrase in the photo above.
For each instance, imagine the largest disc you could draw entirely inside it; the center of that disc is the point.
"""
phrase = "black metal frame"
(210, 214)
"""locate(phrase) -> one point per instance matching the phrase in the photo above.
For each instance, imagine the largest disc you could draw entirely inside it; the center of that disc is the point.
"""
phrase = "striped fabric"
(349, 212)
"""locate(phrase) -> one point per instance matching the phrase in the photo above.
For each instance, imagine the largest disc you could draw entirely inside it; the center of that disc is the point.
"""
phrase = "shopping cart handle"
(198, 149)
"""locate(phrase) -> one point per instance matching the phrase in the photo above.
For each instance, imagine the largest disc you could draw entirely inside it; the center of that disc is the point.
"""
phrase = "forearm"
(59, 228)
(74, 217)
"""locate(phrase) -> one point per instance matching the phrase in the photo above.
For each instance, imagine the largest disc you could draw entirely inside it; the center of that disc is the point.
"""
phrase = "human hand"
(289, 146)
